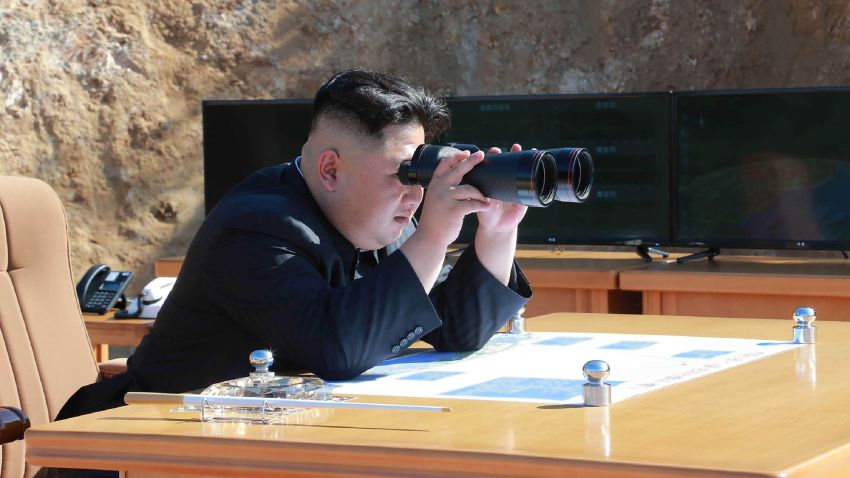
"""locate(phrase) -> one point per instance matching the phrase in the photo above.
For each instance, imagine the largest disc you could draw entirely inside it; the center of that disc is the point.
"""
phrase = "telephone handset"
(100, 288)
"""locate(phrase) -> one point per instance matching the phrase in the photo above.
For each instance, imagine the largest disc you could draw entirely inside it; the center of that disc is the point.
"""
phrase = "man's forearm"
(495, 251)
(425, 259)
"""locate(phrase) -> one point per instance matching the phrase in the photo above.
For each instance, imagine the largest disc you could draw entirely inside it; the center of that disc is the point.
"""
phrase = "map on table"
(546, 367)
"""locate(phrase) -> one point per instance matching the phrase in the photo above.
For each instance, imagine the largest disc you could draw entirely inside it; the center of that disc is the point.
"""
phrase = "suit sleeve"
(279, 294)
(473, 304)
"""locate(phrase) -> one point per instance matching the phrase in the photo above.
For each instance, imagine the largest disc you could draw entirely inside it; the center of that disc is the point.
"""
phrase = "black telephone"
(100, 288)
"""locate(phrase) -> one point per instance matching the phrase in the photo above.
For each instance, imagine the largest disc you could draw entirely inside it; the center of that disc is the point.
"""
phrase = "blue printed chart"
(546, 367)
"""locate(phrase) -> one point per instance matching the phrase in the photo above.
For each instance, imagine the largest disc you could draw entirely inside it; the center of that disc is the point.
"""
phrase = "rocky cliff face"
(102, 98)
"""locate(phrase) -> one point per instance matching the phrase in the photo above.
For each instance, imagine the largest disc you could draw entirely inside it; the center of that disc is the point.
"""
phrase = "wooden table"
(785, 415)
(574, 281)
(737, 286)
(104, 331)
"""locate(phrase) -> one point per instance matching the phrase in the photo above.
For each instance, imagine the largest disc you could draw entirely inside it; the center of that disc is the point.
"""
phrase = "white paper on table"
(546, 367)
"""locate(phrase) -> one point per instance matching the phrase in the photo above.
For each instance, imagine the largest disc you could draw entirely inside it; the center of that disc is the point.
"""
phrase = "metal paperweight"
(804, 331)
(517, 323)
(597, 393)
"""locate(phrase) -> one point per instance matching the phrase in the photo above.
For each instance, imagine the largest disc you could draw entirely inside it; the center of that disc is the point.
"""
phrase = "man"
(319, 261)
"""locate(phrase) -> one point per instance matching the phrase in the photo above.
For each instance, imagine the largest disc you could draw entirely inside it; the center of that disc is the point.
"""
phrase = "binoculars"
(533, 178)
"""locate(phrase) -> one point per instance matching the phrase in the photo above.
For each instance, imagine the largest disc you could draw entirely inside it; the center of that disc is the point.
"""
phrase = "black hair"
(371, 100)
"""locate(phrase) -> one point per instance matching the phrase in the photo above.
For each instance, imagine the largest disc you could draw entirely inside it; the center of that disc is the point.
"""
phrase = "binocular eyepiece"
(532, 178)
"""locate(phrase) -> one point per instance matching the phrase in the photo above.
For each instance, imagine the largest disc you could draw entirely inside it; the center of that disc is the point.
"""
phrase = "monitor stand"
(708, 254)
(643, 252)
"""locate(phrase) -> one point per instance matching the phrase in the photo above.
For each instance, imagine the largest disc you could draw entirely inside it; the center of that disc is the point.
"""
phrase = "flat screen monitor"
(628, 136)
(243, 136)
(763, 169)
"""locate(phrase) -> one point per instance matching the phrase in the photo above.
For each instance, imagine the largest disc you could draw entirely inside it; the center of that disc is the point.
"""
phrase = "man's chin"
(391, 237)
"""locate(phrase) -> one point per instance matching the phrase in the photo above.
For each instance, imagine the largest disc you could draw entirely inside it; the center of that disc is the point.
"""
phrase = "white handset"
(154, 294)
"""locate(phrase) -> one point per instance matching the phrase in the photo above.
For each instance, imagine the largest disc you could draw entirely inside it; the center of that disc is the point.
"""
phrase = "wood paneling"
(743, 287)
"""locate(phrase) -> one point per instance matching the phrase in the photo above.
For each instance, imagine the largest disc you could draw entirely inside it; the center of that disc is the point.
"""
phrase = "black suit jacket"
(267, 270)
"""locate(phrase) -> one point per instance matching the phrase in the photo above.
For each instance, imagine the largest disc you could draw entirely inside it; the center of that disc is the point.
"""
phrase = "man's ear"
(327, 167)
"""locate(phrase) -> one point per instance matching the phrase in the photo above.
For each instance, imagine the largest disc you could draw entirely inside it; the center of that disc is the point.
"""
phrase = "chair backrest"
(45, 353)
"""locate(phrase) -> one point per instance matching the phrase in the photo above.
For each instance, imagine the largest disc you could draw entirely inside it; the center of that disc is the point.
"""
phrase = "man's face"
(376, 206)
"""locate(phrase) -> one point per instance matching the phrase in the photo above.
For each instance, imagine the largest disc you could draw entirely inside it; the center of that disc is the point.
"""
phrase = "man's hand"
(501, 216)
(446, 203)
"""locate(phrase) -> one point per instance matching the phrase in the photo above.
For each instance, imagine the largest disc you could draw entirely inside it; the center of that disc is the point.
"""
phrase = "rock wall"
(102, 98)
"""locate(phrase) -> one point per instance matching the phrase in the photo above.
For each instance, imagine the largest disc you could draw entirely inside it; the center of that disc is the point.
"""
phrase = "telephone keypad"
(101, 287)
(101, 299)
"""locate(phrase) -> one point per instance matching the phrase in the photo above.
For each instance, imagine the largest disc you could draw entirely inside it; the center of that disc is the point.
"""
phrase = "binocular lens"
(575, 174)
(532, 178)
(543, 186)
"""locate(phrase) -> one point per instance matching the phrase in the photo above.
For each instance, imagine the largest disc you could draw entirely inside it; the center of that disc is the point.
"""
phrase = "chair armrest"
(113, 367)
(13, 423)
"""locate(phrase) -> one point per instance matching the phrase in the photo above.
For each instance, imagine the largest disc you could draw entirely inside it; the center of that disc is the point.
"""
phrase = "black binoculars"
(533, 177)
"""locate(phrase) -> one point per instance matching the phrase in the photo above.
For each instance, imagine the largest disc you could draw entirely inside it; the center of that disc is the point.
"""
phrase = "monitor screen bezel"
(739, 242)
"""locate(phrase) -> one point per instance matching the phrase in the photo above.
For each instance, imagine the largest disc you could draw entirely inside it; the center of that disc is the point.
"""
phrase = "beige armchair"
(45, 353)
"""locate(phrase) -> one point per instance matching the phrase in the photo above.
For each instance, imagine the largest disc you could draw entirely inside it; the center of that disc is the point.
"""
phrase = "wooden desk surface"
(785, 415)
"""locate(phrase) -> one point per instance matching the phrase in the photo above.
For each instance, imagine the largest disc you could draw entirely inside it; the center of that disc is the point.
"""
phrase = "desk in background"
(579, 281)
(575, 281)
(104, 331)
(167, 266)
(783, 416)
(620, 282)
(736, 286)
